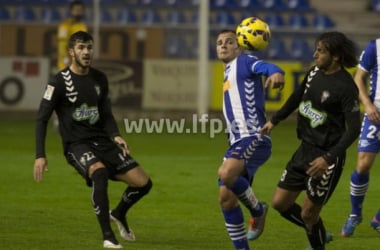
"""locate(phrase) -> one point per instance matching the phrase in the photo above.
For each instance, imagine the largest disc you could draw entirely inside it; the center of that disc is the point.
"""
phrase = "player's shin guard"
(244, 192)
(130, 196)
(358, 189)
(317, 235)
(293, 214)
(234, 221)
(100, 201)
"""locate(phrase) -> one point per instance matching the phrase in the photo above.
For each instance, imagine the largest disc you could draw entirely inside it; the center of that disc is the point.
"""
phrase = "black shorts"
(294, 177)
(82, 155)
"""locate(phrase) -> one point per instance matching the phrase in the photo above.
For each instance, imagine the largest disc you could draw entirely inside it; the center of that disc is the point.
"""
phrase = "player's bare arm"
(370, 109)
(40, 166)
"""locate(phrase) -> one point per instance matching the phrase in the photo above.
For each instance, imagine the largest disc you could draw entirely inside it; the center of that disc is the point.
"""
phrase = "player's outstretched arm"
(40, 166)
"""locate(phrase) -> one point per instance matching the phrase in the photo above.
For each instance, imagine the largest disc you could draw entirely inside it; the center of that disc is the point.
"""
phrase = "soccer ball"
(253, 34)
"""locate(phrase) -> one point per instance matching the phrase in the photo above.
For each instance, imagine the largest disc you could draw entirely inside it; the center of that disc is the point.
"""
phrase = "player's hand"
(40, 166)
(275, 81)
(372, 113)
(266, 129)
(317, 167)
(122, 144)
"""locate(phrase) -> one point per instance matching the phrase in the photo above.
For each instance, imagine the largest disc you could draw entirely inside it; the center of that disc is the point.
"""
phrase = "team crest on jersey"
(97, 89)
(325, 96)
(84, 112)
(49, 92)
(226, 86)
(316, 117)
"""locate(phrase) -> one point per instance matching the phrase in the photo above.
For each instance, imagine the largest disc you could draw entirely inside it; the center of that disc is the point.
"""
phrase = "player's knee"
(100, 177)
(277, 205)
(309, 217)
(225, 176)
(94, 167)
(147, 187)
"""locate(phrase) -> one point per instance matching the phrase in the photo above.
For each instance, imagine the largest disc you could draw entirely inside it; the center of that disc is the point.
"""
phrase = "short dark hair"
(75, 2)
(81, 36)
(226, 31)
(339, 45)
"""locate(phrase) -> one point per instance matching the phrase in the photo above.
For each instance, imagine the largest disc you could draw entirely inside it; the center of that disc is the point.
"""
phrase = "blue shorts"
(369, 140)
(254, 150)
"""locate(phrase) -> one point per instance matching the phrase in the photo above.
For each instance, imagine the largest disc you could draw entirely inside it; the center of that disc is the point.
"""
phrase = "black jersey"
(82, 106)
(328, 111)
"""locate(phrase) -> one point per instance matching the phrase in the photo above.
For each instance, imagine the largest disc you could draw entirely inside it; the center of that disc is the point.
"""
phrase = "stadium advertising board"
(170, 84)
(125, 82)
(22, 82)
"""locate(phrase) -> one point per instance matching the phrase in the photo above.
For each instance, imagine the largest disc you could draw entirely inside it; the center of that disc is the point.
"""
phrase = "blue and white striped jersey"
(244, 96)
(369, 61)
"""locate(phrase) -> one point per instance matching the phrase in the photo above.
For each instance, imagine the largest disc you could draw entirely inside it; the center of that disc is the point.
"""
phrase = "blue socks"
(358, 189)
(235, 227)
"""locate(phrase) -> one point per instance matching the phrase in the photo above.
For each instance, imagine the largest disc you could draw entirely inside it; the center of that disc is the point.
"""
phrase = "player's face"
(77, 12)
(323, 58)
(82, 54)
(227, 48)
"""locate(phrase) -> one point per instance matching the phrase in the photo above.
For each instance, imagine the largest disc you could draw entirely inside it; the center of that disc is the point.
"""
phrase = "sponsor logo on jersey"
(226, 86)
(325, 96)
(316, 117)
(84, 112)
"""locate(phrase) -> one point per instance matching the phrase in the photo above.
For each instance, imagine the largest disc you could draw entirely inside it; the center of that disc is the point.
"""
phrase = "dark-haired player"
(91, 140)
(328, 122)
(244, 112)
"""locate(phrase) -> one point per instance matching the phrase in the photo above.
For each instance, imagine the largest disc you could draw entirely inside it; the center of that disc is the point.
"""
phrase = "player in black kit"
(91, 140)
(328, 122)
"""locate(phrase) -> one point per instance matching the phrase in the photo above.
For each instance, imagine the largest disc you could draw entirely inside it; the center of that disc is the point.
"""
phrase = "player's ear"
(71, 52)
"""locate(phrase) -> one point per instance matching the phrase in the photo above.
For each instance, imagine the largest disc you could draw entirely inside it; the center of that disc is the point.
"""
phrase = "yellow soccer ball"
(253, 34)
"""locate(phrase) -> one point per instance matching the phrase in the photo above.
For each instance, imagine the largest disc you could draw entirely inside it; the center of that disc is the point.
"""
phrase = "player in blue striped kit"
(369, 143)
(244, 112)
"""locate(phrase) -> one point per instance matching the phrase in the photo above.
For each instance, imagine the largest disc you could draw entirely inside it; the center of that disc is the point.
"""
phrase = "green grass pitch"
(180, 212)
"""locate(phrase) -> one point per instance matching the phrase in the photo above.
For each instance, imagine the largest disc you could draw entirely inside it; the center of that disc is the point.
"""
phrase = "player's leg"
(230, 175)
(358, 188)
(368, 148)
(99, 176)
(139, 184)
(289, 187)
(233, 217)
(375, 222)
(82, 158)
(319, 191)
(256, 154)
(284, 202)
(314, 227)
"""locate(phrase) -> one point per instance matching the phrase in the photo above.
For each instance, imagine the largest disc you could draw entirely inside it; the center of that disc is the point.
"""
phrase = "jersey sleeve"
(47, 105)
(350, 107)
(368, 56)
(105, 111)
(264, 68)
(291, 103)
